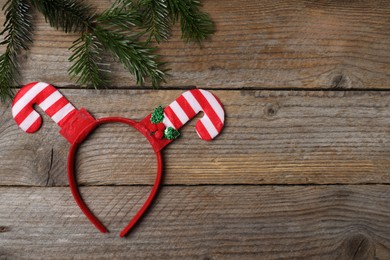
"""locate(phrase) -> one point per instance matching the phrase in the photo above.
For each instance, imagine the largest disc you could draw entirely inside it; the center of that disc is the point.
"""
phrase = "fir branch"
(17, 26)
(7, 75)
(195, 25)
(17, 31)
(111, 30)
(155, 19)
(87, 55)
(69, 15)
(118, 30)
(120, 16)
(137, 57)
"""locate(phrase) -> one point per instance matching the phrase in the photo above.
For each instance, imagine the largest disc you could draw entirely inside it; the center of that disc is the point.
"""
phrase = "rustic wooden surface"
(301, 170)
(345, 222)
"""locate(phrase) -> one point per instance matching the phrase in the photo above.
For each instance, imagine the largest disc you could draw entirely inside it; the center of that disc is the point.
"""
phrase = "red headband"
(160, 128)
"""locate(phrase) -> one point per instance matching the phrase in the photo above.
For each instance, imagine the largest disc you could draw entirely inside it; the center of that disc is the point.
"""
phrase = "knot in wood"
(357, 246)
(340, 81)
(271, 110)
(4, 229)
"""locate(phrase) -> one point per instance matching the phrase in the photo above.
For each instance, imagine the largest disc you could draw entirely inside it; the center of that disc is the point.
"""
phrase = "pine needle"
(68, 15)
(17, 31)
(120, 16)
(114, 29)
(195, 25)
(136, 57)
(87, 55)
(155, 19)
(7, 76)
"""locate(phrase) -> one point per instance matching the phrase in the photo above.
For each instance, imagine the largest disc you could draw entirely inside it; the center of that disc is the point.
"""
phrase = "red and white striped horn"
(190, 103)
(48, 98)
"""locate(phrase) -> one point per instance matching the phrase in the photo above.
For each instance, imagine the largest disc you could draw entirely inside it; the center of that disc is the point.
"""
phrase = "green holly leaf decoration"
(171, 133)
(157, 115)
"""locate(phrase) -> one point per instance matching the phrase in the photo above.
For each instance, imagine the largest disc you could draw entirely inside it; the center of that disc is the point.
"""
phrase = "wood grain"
(301, 170)
(271, 137)
(258, 44)
(203, 222)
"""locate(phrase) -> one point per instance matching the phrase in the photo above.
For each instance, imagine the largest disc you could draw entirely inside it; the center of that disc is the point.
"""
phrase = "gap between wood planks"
(330, 89)
(206, 185)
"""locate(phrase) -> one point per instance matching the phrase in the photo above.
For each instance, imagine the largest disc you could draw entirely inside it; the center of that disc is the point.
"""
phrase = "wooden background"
(301, 170)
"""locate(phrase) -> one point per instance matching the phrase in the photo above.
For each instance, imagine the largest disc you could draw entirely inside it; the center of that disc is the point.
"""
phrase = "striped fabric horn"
(72, 122)
(190, 103)
(48, 98)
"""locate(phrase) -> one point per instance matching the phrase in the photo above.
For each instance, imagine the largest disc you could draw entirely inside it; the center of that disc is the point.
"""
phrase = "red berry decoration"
(159, 134)
(161, 126)
(153, 128)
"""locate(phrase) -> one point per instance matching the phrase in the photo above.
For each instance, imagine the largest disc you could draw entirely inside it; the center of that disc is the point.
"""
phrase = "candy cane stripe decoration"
(48, 98)
(191, 103)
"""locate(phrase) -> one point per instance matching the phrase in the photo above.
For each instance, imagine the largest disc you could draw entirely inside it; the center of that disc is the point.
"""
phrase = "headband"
(160, 128)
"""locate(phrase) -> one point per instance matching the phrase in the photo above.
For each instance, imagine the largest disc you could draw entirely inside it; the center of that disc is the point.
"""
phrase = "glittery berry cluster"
(158, 128)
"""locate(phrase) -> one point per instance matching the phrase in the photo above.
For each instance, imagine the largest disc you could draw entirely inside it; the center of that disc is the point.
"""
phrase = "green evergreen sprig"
(86, 60)
(155, 18)
(68, 15)
(8, 69)
(195, 25)
(119, 30)
(113, 31)
(17, 31)
(159, 16)
(139, 59)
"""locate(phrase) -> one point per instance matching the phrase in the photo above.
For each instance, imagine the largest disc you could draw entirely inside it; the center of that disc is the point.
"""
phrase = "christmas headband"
(160, 128)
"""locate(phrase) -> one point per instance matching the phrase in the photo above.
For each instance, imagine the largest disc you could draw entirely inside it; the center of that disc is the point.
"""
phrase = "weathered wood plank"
(258, 44)
(271, 137)
(213, 222)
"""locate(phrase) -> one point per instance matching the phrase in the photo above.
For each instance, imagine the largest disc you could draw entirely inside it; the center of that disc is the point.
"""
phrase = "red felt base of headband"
(72, 178)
